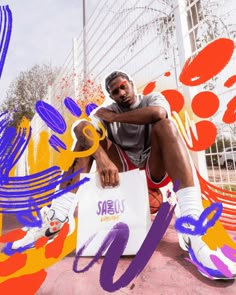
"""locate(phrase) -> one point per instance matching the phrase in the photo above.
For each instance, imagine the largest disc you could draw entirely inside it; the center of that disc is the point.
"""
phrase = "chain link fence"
(148, 39)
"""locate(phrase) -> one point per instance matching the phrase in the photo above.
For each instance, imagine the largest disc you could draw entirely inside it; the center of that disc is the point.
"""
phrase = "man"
(139, 134)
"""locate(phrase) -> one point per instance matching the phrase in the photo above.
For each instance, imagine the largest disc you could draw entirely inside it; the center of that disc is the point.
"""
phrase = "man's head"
(120, 88)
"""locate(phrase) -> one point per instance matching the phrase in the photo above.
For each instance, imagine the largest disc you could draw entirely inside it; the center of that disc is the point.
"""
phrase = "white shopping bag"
(101, 208)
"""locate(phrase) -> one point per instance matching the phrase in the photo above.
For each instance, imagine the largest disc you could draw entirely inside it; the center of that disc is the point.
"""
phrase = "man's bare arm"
(146, 115)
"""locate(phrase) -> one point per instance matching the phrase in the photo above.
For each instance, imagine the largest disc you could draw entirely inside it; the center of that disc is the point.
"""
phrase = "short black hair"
(114, 75)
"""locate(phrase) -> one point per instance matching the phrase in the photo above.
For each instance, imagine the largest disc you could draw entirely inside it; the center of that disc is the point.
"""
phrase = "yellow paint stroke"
(217, 236)
(66, 158)
(30, 157)
(186, 127)
(39, 161)
(42, 152)
(23, 126)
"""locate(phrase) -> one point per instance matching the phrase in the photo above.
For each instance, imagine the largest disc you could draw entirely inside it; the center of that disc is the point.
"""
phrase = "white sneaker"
(50, 228)
(200, 253)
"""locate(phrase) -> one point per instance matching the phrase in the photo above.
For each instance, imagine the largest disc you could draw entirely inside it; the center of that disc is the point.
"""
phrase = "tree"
(26, 89)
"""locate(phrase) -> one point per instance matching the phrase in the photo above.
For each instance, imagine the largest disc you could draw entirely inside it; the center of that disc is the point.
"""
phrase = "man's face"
(122, 92)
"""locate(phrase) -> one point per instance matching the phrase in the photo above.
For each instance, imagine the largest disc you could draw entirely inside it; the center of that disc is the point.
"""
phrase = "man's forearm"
(147, 115)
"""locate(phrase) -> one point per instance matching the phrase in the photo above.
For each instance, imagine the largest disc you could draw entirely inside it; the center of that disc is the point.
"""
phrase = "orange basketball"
(155, 199)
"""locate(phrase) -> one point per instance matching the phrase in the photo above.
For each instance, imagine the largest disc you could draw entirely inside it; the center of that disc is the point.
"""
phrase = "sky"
(42, 32)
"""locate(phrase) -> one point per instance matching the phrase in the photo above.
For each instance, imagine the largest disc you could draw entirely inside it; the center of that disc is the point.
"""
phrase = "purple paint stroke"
(4, 121)
(28, 219)
(72, 107)
(12, 145)
(200, 268)
(5, 34)
(51, 116)
(118, 234)
(191, 226)
(229, 252)
(55, 142)
(7, 250)
(117, 246)
(90, 107)
(12, 207)
(176, 185)
(215, 273)
(221, 266)
(7, 192)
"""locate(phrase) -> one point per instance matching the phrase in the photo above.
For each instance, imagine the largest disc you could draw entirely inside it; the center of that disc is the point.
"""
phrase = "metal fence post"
(184, 46)
(76, 67)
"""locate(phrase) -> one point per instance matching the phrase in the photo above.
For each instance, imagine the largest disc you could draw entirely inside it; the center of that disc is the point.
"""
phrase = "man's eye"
(115, 92)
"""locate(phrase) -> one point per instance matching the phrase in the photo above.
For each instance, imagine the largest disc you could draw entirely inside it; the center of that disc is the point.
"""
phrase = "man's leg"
(169, 154)
(63, 204)
(62, 208)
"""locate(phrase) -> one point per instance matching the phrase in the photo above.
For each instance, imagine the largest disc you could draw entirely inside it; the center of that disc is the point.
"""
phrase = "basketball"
(155, 200)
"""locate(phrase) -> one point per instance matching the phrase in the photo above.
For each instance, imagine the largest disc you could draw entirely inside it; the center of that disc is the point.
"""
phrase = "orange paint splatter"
(229, 116)
(175, 99)
(167, 74)
(12, 236)
(12, 264)
(27, 284)
(208, 63)
(205, 104)
(55, 248)
(149, 88)
(230, 81)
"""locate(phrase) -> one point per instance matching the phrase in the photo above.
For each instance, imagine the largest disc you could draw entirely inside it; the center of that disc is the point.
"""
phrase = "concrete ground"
(166, 273)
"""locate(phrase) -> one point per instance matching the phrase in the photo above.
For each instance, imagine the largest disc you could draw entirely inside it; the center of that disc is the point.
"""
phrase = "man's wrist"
(99, 154)
(116, 117)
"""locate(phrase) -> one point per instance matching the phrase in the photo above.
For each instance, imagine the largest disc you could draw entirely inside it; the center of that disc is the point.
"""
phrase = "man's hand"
(108, 172)
(106, 115)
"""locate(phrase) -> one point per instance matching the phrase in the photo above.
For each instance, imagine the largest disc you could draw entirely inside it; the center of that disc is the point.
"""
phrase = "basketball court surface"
(167, 273)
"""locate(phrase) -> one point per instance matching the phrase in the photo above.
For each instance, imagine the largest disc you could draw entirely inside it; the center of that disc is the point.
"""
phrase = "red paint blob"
(12, 264)
(207, 132)
(230, 81)
(26, 284)
(167, 74)
(149, 88)
(229, 116)
(12, 236)
(175, 99)
(208, 63)
(205, 104)
(54, 249)
(41, 242)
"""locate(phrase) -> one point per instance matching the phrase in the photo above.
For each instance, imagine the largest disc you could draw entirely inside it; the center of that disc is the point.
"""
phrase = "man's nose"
(122, 93)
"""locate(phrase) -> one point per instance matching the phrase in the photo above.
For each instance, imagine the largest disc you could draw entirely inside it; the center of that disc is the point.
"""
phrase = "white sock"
(190, 201)
(63, 205)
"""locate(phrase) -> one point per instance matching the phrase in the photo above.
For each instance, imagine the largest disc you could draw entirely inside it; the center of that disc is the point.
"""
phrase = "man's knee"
(164, 128)
(78, 129)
